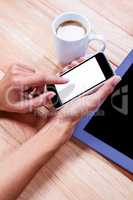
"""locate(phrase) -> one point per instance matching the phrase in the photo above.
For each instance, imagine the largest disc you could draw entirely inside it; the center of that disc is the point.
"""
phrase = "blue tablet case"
(95, 143)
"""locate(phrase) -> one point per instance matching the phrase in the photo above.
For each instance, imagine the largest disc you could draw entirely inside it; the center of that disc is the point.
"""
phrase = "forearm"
(19, 168)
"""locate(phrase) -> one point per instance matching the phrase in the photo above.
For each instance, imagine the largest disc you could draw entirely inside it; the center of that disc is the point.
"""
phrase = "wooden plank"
(76, 172)
(117, 12)
(112, 32)
(119, 43)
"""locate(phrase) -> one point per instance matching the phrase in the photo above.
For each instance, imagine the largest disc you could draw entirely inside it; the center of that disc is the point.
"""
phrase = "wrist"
(62, 127)
(65, 129)
(65, 120)
(69, 119)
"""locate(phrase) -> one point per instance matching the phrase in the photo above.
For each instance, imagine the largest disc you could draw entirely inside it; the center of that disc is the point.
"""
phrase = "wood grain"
(76, 172)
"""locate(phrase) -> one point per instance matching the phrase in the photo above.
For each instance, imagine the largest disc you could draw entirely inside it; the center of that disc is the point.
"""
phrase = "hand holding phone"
(79, 107)
(83, 78)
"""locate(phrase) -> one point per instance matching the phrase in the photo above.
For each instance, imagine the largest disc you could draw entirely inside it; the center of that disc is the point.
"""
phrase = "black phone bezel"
(105, 66)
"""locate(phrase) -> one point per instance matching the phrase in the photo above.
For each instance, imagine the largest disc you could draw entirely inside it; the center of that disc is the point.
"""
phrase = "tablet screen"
(113, 123)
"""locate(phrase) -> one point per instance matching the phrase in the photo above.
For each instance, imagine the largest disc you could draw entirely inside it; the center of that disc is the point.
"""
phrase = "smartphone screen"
(82, 78)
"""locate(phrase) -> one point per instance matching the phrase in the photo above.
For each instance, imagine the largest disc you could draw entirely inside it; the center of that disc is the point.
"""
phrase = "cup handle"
(98, 37)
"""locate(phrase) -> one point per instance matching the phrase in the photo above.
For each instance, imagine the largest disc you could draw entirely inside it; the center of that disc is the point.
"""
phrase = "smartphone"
(83, 78)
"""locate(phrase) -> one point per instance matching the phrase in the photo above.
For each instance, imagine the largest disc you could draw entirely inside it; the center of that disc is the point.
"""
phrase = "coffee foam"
(71, 30)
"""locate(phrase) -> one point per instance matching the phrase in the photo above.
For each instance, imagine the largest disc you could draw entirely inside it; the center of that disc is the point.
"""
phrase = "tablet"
(109, 130)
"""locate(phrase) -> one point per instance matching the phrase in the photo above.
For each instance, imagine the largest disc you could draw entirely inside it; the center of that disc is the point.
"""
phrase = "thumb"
(107, 88)
(93, 101)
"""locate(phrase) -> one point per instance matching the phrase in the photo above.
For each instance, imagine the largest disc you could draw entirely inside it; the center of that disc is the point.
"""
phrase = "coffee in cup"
(71, 30)
(72, 35)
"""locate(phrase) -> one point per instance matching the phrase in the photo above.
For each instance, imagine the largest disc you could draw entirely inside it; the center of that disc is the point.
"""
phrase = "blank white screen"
(81, 79)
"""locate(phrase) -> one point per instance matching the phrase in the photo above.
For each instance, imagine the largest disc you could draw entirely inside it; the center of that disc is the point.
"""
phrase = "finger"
(40, 90)
(26, 68)
(114, 67)
(100, 95)
(23, 67)
(81, 59)
(91, 102)
(22, 70)
(36, 91)
(108, 87)
(66, 68)
(39, 79)
(22, 73)
(74, 63)
(30, 105)
(87, 56)
(2, 74)
(77, 62)
(53, 79)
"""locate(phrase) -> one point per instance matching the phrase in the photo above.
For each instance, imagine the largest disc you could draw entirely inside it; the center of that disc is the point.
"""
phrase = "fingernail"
(117, 79)
(51, 95)
(67, 67)
(65, 79)
(88, 56)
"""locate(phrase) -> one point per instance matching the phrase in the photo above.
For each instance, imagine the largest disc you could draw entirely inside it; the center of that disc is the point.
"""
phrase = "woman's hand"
(20, 84)
(76, 109)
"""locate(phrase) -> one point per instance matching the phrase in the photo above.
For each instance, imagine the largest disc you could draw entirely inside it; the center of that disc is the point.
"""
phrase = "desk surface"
(75, 172)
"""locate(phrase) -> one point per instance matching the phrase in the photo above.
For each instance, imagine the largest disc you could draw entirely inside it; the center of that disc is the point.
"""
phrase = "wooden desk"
(75, 172)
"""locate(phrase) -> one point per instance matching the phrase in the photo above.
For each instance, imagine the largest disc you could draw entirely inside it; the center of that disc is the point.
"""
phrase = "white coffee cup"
(68, 51)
